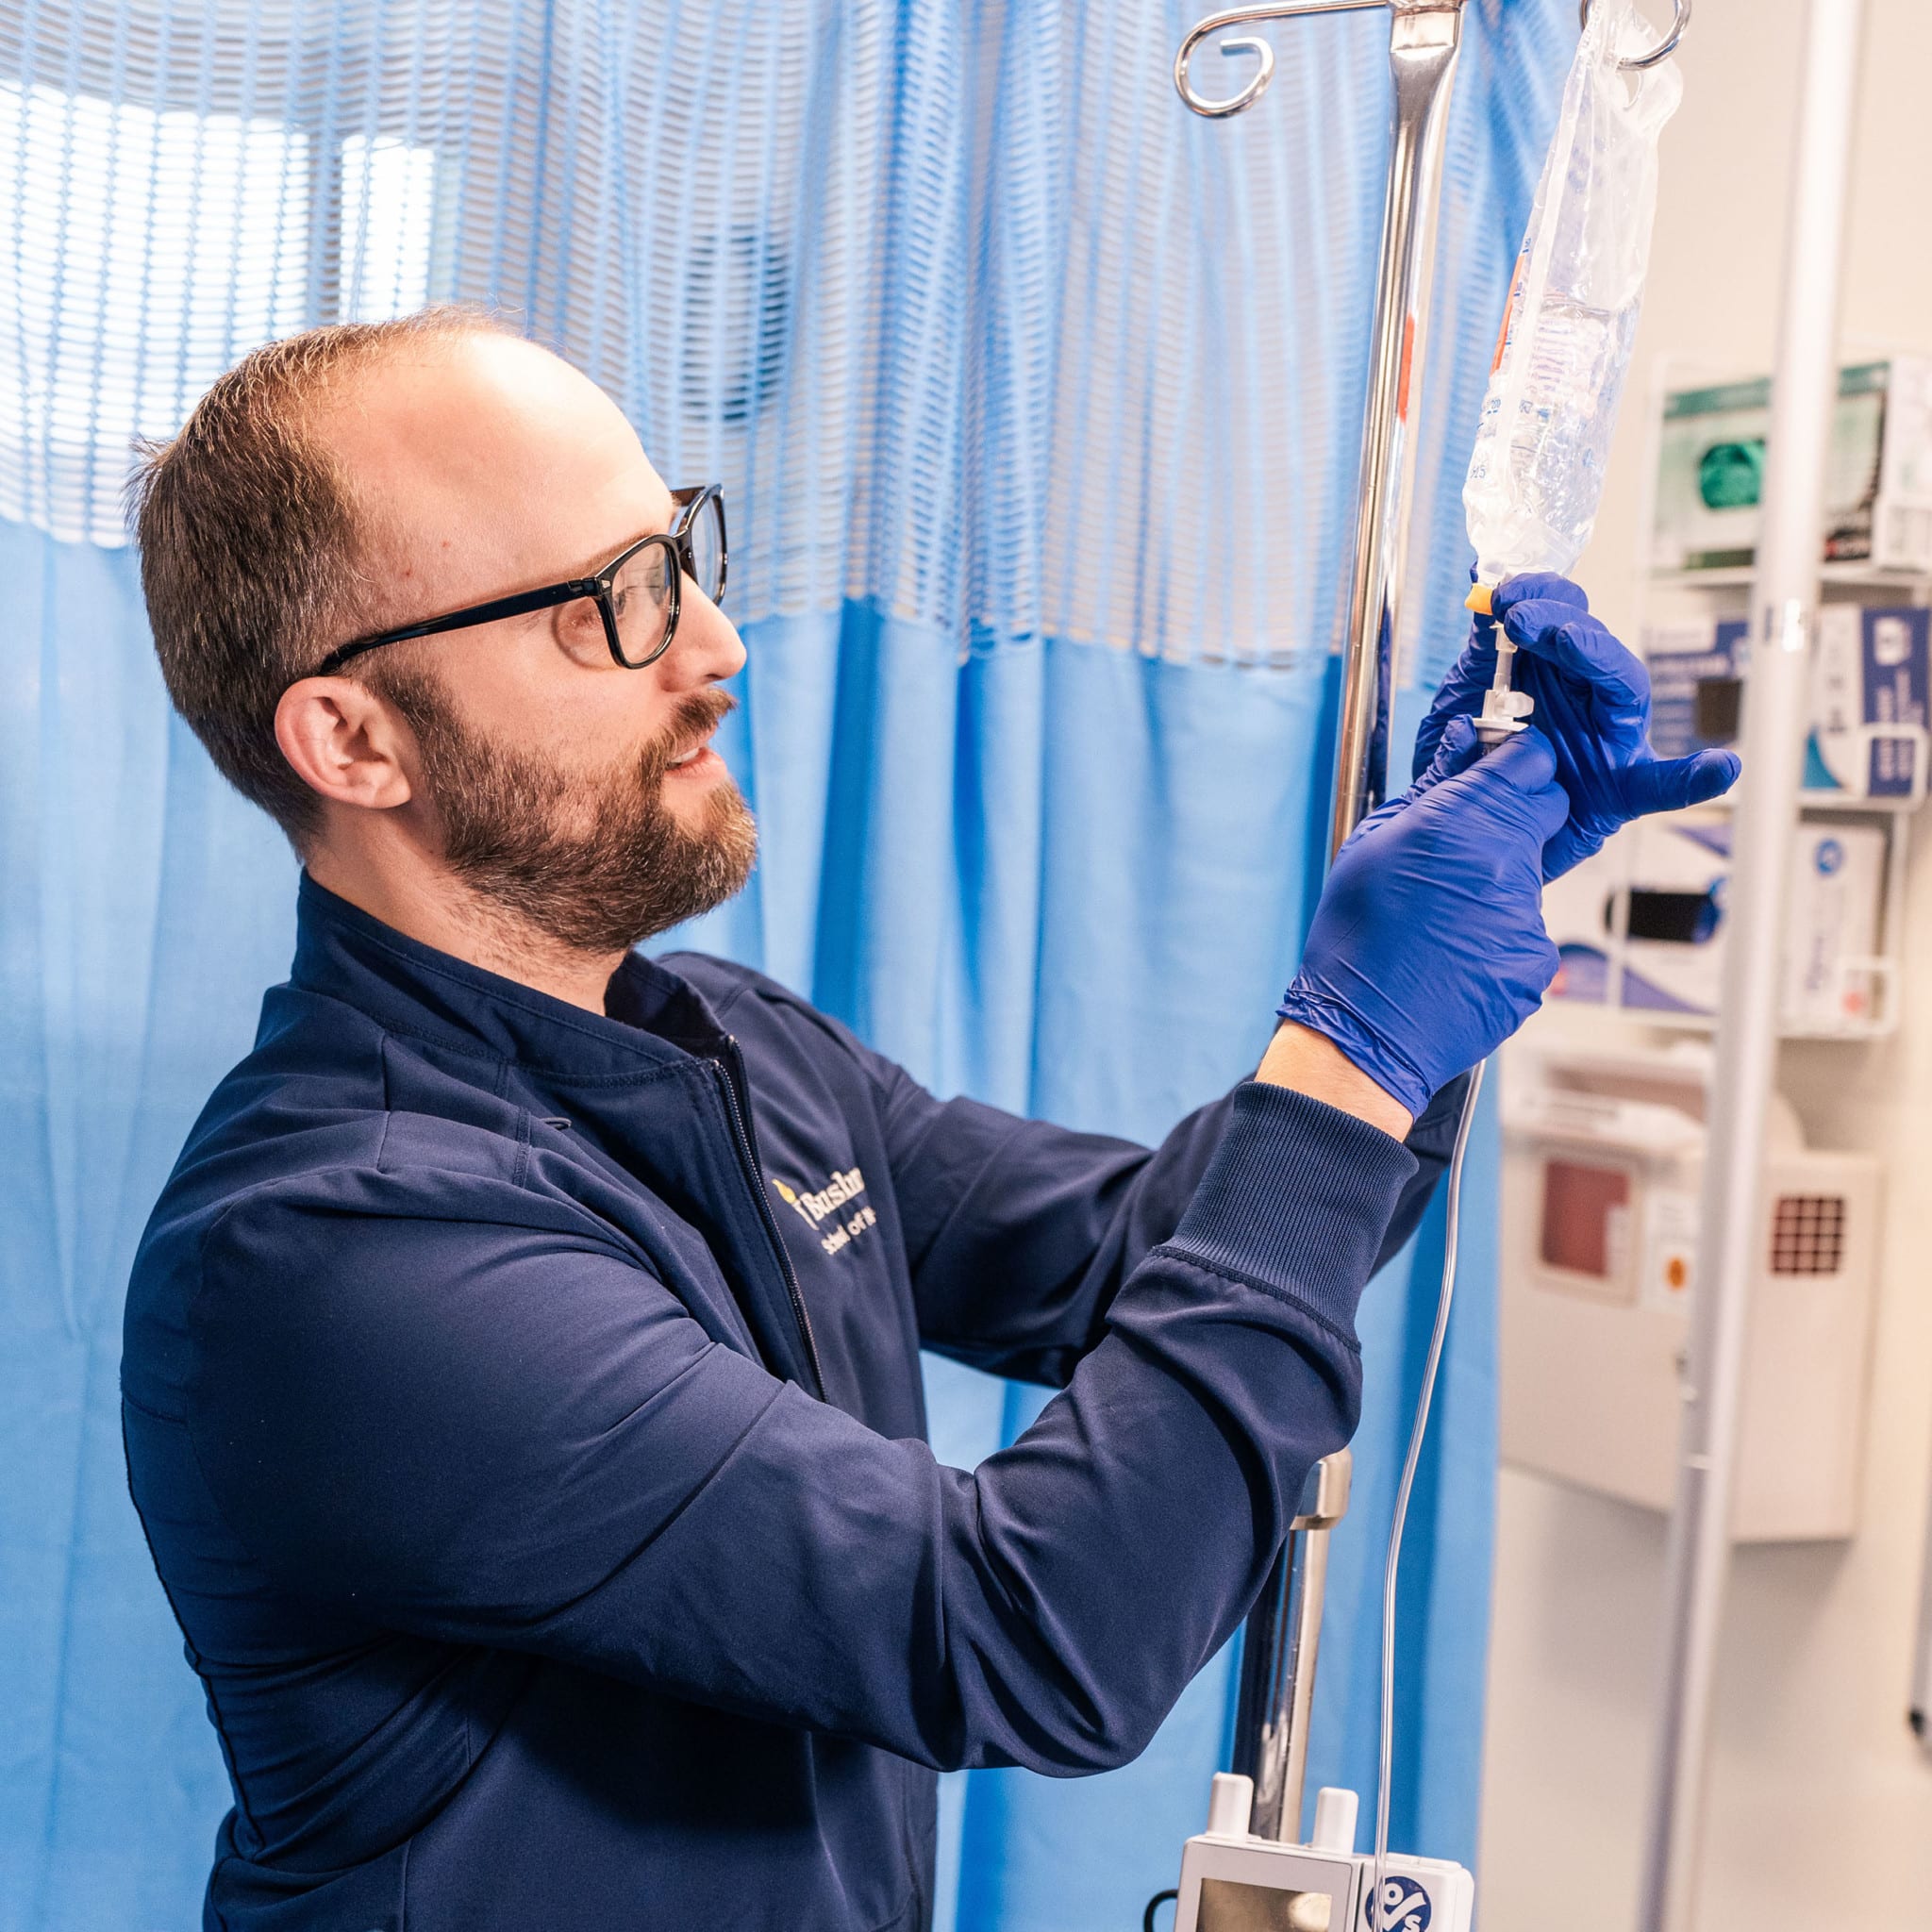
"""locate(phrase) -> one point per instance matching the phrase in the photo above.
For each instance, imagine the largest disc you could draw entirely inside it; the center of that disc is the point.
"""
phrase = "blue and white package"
(1644, 923)
(1870, 697)
(1693, 669)
(1870, 709)
(1675, 928)
(1832, 981)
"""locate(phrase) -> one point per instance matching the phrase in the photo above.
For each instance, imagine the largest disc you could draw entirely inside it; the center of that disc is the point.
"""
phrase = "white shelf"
(1741, 576)
(1834, 802)
(1676, 591)
(1662, 586)
(1838, 801)
(1653, 1019)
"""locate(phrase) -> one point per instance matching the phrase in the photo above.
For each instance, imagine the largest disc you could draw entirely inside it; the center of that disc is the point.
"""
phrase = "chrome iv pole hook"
(1290, 10)
(1680, 19)
(1248, 43)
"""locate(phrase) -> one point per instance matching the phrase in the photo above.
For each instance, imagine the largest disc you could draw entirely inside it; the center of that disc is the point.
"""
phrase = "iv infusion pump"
(1231, 1882)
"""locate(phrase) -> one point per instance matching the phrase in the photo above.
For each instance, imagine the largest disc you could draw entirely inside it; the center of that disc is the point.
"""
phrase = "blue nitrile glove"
(1428, 950)
(1592, 703)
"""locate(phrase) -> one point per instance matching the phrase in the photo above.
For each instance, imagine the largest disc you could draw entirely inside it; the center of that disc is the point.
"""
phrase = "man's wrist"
(1310, 1062)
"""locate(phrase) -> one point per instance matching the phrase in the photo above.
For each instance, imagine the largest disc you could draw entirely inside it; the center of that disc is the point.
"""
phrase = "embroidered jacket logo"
(813, 1208)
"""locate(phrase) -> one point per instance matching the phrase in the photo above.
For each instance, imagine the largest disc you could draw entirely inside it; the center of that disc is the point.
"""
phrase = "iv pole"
(1785, 596)
(1277, 1683)
(1284, 1629)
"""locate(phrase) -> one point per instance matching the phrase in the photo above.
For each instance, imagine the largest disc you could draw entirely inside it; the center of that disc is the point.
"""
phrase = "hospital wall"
(1821, 1801)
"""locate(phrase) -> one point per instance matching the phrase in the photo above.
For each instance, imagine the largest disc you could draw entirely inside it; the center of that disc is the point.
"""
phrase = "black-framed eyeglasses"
(638, 594)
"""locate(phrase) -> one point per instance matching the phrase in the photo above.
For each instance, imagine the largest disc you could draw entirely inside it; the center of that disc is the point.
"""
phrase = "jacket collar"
(652, 1016)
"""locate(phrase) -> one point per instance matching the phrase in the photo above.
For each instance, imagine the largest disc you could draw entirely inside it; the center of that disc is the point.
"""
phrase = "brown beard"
(597, 863)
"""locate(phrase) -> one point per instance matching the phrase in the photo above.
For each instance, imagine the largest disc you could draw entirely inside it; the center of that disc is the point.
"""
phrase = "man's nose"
(707, 648)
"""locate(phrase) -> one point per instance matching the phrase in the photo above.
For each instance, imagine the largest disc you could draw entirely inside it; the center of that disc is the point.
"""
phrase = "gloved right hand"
(1427, 948)
(1592, 703)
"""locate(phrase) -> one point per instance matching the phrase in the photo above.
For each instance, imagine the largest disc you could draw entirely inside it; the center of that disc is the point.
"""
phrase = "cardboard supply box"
(1870, 697)
(1643, 924)
(1878, 473)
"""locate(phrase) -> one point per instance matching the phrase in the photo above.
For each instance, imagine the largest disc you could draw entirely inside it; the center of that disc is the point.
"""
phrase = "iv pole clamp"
(1283, 1630)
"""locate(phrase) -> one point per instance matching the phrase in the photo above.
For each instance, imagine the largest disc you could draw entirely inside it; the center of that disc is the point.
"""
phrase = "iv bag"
(1537, 473)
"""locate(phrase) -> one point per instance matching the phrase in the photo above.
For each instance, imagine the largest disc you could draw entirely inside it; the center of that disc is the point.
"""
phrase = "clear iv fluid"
(1543, 442)
(1537, 473)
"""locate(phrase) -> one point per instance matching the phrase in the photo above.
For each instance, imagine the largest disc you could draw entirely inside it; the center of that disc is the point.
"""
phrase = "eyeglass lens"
(642, 598)
(642, 592)
(708, 546)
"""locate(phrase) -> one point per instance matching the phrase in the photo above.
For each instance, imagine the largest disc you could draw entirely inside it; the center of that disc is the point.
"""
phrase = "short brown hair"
(253, 549)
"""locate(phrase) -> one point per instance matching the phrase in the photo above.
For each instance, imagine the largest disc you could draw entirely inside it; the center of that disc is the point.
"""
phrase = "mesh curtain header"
(790, 239)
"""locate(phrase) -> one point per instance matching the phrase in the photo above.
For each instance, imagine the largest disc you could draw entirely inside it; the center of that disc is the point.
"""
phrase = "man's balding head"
(480, 464)
(259, 552)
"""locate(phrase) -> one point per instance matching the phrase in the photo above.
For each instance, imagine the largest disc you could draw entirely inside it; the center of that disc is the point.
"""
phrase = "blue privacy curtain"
(1036, 401)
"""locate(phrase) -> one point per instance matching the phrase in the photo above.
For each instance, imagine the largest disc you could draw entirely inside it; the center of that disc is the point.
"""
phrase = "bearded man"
(520, 1382)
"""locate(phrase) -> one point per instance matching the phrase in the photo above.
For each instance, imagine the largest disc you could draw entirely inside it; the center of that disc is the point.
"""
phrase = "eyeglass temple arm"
(519, 606)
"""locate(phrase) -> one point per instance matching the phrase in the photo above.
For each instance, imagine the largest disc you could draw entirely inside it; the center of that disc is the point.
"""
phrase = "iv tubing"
(1417, 1429)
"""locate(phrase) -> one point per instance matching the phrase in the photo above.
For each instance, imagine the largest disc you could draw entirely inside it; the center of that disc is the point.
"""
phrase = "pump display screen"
(1226, 1907)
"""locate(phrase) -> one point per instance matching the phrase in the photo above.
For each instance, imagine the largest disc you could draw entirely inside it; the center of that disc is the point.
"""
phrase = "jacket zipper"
(748, 1154)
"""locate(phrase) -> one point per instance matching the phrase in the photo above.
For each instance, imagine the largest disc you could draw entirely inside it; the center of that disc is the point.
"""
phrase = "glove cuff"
(1386, 1065)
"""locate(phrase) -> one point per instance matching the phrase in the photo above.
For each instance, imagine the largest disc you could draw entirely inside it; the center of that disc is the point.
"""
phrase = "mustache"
(695, 720)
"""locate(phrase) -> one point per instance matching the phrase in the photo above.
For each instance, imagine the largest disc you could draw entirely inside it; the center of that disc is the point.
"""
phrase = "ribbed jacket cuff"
(1296, 1199)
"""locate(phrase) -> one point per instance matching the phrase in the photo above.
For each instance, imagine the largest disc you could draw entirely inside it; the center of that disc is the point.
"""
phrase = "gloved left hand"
(1592, 703)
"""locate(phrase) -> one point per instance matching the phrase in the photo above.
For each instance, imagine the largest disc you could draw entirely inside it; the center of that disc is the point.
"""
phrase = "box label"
(1896, 692)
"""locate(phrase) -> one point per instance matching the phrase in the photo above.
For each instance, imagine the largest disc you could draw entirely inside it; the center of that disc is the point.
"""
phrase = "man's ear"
(345, 743)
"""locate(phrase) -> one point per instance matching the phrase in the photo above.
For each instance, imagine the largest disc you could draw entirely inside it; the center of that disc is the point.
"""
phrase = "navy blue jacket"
(523, 1409)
